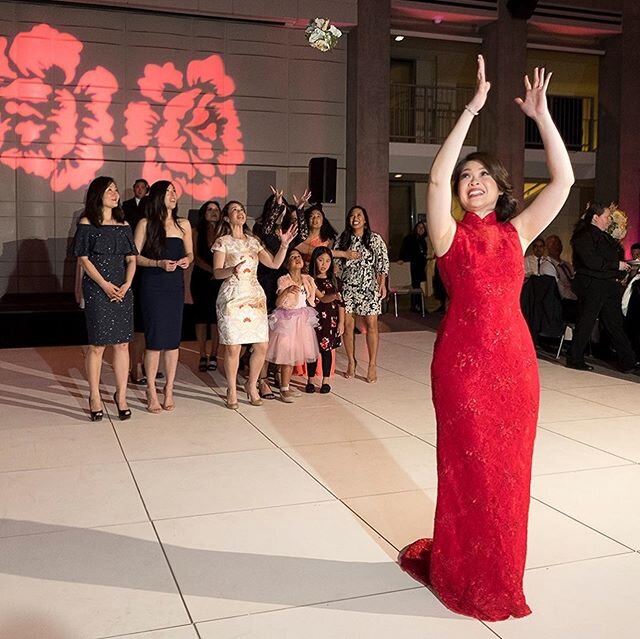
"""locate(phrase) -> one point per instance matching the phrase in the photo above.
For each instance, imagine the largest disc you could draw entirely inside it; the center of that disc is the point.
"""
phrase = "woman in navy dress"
(165, 246)
(104, 246)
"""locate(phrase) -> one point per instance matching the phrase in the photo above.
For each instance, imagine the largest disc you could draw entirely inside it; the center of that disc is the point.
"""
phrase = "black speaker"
(322, 180)
(522, 9)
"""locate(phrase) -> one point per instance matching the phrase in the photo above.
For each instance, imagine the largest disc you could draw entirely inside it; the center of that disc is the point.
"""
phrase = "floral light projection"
(182, 122)
(51, 128)
(56, 116)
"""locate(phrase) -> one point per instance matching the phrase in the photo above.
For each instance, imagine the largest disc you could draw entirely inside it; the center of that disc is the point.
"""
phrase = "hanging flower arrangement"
(617, 229)
(322, 35)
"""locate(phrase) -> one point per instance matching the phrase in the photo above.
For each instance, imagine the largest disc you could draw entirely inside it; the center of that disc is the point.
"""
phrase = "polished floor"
(284, 521)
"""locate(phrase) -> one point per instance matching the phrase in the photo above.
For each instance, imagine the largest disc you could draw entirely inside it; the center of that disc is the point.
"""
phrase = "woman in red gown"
(484, 372)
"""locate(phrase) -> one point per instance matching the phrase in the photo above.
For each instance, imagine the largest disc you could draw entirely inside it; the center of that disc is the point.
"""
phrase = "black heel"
(96, 415)
(122, 414)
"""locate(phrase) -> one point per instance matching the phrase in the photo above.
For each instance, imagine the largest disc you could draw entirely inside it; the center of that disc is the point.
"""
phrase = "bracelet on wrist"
(472, 111)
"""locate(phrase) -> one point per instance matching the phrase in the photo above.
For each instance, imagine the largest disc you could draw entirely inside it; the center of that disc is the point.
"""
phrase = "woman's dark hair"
(156, 213)
(223, 227)
(313, 267)
(506, 205)
(594, 209)
(93, 201)
(417, 224)
(347, 234)
(202, 227)
(327, 232)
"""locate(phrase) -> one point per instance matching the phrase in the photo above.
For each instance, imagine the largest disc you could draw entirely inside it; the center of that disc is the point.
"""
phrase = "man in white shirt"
(538, 263)
(564, 270)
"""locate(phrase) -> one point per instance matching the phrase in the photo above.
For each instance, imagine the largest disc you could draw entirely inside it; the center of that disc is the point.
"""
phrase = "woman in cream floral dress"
(241, 304)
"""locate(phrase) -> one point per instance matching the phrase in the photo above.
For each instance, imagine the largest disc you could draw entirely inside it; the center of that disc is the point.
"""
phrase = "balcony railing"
(425, 115)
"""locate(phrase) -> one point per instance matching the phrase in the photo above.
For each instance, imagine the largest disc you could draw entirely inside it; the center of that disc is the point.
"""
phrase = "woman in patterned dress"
(364, 285)
(241, 304)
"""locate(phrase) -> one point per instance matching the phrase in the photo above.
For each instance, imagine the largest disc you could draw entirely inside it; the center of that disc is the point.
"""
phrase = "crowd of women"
(284, 295)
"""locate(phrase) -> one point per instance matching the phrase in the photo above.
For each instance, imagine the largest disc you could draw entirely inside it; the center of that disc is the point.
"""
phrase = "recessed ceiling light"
(398, 175)
(399, 38)
(437, 20)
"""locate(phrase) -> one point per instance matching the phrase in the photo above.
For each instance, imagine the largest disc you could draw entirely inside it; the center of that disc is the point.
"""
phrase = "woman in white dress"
(241, 304)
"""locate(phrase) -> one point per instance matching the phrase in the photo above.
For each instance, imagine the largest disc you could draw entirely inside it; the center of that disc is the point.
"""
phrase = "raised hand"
(304, 199)
(482, 87)
(535, 100)
(278, 194)
(287, 237)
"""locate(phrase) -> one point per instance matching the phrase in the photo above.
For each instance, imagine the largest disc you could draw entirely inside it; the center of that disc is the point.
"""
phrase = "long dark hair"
(313, 267)
(594, 209)
(507, 205)
(327, 232)
(345, 237)
(156, 213)
(224, 227)
(202, 227)
(93, 201)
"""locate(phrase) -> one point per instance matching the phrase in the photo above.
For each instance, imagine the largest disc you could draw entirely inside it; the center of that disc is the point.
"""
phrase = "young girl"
(292, 339)
(330, 315)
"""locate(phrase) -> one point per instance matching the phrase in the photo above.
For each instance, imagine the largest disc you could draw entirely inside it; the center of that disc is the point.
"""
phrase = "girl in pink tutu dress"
(292, 338)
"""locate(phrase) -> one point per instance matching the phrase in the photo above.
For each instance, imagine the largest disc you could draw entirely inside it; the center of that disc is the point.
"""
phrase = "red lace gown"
(486, 394)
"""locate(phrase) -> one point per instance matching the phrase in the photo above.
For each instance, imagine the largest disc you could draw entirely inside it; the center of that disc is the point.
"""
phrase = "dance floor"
(284, 521)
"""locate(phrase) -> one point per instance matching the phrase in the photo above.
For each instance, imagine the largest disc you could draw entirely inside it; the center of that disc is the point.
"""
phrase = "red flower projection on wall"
(52, 123)
(188, 127)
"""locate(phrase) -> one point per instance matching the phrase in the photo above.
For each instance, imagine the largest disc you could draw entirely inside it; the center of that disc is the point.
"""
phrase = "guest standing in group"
(330, 309)
(484, 373)
(292, 339)
(165, 249)
(599, 264)
(320, 233)
(204, 286)
(104, 246)
(134, 207)
(364, 285)
(241, 305)
(414, 250)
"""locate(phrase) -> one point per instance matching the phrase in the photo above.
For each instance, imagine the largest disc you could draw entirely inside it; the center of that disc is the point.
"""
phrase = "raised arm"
(536, 217)
(440, 223)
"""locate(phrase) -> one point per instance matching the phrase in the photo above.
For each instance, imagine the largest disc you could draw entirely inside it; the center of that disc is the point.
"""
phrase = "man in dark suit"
(599, 265)
(133, 212)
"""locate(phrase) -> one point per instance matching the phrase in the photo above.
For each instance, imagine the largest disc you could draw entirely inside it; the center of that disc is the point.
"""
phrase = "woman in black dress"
(164, 244)
(204, 287)
(104, 246)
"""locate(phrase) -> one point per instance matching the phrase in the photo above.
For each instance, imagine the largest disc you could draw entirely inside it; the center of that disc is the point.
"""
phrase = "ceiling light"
(399, 38)
(437, 20)
(398, 175)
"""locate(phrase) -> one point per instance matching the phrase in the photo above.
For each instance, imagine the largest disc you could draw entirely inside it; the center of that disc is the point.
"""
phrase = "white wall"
(290, 101)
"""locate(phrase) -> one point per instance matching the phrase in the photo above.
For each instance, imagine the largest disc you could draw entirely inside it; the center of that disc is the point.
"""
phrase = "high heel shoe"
(123, 415)
(96, 415)
(230, 405)
(351, 370)
(169, 406)
(155, 410)
(255, 401)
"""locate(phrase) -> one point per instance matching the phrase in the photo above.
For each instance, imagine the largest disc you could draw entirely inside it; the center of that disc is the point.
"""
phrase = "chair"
(400, 284)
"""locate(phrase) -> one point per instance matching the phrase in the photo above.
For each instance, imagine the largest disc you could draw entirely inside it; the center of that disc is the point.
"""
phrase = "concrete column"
(504, 48)
(368, 62)
(618, 155)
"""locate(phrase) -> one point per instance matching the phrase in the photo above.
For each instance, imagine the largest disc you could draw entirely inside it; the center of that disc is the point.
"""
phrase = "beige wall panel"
(319, 135)
(257, 76)
(41, 228)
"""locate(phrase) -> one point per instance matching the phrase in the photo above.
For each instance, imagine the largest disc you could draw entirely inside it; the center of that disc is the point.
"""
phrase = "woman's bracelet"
(468, 108)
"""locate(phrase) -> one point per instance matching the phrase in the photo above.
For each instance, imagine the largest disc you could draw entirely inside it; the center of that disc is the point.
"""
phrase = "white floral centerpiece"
(617, 229)
(322, 35)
